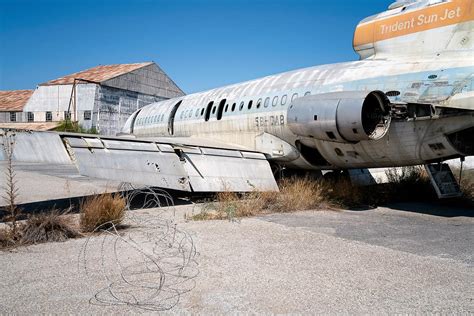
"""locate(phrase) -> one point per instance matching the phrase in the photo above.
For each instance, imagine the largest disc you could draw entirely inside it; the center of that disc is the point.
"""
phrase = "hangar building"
(101, 97)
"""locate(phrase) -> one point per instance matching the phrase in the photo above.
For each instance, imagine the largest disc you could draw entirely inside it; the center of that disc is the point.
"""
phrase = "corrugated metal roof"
(98, 74)
(14, 100)
(31, 126)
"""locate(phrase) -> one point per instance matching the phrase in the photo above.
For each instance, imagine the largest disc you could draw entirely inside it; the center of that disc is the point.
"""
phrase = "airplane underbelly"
(406, 143)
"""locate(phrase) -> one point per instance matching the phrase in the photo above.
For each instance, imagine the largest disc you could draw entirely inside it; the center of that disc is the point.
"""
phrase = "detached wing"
(166, 163)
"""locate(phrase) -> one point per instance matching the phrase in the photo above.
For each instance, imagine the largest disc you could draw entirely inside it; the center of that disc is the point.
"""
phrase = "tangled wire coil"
(150, 266)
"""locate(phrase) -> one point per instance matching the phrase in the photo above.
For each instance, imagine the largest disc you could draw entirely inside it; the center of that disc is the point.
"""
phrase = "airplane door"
(171, 118)
(132, 124)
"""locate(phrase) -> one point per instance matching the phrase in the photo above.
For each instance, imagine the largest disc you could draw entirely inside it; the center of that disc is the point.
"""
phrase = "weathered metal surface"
(130, 164)
(38, 182)
(173, 167)
(98, 73)
(216, 171)
(177, 167)
(443, 181)
(38, 147)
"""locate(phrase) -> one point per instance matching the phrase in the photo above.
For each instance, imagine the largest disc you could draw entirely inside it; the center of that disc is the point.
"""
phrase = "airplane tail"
(423, 27)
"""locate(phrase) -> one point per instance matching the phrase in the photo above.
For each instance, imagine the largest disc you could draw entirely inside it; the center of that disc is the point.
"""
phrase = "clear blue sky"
(200, 44)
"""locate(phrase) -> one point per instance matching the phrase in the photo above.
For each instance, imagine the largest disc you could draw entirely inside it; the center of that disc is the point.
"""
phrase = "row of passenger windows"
(275, 101)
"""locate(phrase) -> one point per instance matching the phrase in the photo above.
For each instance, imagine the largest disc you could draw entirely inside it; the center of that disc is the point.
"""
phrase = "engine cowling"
(349, 116)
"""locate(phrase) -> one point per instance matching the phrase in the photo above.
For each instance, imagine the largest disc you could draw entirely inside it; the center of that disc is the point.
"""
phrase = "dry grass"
(102, 211)
(467, 183)
(8, 239)
(48, 227)
(53, 226)
(295, 194)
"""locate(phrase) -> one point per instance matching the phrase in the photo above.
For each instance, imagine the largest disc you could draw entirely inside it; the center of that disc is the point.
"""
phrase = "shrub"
(47, 227)
(101, 211)
(8, 238)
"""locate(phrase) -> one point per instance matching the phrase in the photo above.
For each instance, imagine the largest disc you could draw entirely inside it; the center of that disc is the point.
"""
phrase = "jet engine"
(341, 116)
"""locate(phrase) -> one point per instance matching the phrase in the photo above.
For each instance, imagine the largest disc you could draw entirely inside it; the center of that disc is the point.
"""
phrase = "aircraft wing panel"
(145, 162)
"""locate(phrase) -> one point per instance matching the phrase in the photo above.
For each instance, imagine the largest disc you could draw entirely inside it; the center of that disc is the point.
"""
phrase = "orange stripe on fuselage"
(456, 11)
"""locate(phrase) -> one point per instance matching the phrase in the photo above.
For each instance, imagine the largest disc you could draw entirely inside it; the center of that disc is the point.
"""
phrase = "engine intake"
(341, 116)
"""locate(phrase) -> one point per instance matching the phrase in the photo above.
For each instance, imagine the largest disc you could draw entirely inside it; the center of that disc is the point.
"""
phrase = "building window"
(49, 116)
(67, 115)
(30, 116)
(12, 116)
(87, 115)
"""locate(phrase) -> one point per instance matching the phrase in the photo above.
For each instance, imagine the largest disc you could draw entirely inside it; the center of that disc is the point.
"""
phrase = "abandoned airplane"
(409, 100)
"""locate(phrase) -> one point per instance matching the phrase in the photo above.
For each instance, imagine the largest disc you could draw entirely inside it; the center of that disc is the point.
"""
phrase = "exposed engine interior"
(341, 116)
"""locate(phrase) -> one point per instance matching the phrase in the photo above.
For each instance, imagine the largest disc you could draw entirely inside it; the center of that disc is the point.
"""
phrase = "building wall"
(56, 99)
(109, 107)
(149, 80)
(113, 106)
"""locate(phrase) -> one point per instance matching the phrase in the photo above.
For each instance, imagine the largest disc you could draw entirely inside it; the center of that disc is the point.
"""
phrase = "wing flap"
(148, 162)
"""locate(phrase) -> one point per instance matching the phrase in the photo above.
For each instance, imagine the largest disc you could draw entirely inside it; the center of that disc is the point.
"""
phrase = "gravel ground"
(376, 261)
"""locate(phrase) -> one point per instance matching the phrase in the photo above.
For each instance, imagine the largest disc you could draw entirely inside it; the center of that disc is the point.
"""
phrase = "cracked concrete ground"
(385, 260)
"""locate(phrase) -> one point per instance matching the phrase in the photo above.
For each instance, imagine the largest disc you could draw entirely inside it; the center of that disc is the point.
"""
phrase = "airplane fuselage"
(243, 114)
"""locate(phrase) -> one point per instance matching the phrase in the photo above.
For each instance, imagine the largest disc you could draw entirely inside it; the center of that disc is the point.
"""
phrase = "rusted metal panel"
(97, 74)
(14, 100)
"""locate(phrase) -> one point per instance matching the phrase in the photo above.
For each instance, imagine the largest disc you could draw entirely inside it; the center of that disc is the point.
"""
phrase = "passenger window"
(267, 102)
(250, 104)
(226, 107)
(197, 113)
(275, 101)
(241, 106)
(213, 110)
(202, 111)
(283, 99)
(233, 107)
(220, 109)
(295, 95)
(208, 111)
(259, 102)
(307, 93)
(190, 113)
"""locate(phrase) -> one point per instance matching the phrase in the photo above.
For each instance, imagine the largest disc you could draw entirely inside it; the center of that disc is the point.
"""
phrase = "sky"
(200, 44)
